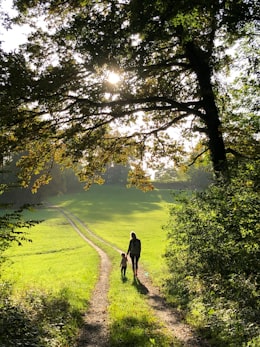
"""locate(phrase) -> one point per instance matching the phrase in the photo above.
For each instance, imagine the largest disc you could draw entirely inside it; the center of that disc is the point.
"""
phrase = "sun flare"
(113, 77)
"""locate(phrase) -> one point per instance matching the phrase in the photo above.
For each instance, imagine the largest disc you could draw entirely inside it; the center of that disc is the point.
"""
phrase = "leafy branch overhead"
(168, 55)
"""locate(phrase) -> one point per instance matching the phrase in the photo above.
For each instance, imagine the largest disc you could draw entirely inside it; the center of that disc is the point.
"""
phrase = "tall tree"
(167, 54)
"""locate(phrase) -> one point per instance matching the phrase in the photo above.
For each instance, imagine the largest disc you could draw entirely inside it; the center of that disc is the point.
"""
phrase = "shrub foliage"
(213, 258)
(37, 320)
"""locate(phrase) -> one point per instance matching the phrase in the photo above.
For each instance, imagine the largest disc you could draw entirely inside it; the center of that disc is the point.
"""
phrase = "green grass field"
(112, 212)
(57, 259)
(60, 261)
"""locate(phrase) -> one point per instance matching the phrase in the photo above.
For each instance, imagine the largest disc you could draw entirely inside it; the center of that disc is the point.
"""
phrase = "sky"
(13, 37)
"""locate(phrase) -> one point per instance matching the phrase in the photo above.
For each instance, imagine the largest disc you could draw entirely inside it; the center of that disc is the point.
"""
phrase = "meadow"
(60, 264)
(55, 259)
(112, 212)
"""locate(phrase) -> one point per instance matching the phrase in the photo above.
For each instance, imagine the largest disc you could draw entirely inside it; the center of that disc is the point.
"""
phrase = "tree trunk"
(200, 64)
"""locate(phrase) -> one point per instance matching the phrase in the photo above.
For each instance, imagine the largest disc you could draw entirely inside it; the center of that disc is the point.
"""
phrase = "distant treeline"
(66, 181)
(182, 185)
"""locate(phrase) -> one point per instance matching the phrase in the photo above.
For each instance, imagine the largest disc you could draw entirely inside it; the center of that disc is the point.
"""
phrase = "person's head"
(133, 235)
(123, 255)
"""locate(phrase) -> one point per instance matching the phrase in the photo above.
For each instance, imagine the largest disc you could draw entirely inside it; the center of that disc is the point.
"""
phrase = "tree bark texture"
(200, 64)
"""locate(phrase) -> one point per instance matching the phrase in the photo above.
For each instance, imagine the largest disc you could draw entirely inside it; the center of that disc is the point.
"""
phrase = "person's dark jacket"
(134, 247)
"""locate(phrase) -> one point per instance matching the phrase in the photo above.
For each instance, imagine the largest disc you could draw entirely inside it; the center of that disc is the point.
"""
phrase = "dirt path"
(95, 332)
(170, 317)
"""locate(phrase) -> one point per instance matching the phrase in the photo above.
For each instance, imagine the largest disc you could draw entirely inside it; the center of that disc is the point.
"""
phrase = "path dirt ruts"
(95, 332)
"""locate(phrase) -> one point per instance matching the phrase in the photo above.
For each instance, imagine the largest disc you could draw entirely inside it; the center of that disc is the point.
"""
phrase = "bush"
(213, 258)
(37, 320)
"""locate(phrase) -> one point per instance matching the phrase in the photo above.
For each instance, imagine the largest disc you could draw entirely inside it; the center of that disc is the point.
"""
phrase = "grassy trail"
(96, 328)
(170, 331)
(113, 212)
(61, 264)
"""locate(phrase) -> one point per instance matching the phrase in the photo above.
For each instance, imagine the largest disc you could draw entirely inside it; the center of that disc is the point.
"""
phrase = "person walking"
(123, 264)
(134, 249)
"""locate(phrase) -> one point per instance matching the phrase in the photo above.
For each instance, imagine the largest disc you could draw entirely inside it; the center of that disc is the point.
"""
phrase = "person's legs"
(136, 263)
(133, 263)
(135, 259)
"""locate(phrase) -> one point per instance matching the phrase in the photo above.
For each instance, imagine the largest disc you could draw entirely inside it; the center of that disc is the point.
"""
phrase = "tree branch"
(197, 156)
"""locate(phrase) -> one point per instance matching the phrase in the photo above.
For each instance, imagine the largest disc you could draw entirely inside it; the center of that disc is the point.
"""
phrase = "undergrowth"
(37, 319)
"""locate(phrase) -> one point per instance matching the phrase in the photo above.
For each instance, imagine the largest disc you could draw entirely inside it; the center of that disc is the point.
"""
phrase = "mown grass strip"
(132, 321)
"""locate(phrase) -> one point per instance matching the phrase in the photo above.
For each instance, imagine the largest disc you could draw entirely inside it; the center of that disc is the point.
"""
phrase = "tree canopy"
(172, 59)
(168, 55)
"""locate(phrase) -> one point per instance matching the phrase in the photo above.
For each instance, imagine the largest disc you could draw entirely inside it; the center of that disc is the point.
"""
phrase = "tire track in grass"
(97, 315)
(95, 332)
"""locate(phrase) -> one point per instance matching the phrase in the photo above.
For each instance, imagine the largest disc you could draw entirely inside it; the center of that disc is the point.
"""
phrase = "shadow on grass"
(97, 203)
(141, 288)
(124, 279)
(138, 332)
(90, 333)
